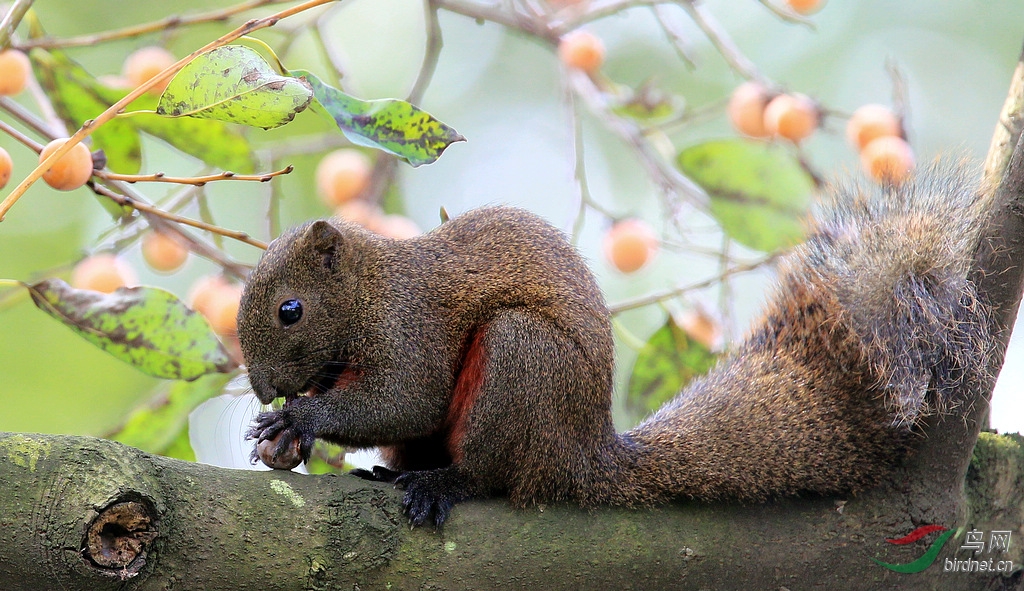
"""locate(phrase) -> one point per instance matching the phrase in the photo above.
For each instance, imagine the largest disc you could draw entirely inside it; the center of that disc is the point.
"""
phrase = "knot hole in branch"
(116, 541)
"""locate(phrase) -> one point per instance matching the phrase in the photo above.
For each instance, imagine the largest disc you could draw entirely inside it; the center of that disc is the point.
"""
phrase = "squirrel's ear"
(323, 239)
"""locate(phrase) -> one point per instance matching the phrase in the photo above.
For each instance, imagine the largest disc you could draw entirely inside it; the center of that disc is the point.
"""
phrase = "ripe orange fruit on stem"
(14, 71)
(163, 252)
(581, 50)
(806, 6)
(103, 272)
(72, 170)
(746, 108)
(146, 62)
(792, 116)
(343, 175)
(872, 121)
(6, 166)
(630, 244)
(888, 159)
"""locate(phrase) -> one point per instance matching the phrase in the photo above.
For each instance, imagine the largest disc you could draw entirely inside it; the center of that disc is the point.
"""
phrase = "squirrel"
(479, 357)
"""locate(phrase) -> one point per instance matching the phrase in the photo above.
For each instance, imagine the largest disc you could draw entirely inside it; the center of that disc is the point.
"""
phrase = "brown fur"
(487, 342)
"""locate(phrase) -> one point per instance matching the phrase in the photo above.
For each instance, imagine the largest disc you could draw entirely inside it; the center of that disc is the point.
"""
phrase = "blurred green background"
(504, 92)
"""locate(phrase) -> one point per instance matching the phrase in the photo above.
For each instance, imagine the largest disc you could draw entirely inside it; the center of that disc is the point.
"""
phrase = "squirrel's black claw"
(377, 474)
(431, 493)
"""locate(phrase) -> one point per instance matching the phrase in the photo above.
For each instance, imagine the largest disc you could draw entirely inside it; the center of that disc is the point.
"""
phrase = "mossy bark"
(213, 528)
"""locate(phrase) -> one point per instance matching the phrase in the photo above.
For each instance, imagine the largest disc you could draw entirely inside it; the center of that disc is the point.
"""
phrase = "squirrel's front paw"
(279, 443)
(431, 493)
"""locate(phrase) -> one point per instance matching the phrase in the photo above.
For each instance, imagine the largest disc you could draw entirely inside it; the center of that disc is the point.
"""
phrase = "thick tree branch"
(90, 514)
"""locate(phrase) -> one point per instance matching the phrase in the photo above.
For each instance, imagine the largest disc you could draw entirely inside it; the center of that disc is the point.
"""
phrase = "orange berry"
(103, 272)
(342, 175)
(14, 71)
(398, 227)
(163, 252)
(204, 291)
(746, 108)
(630, 244)
(870, 122)
(222, 313)
(806, 6)
(581, 50)
(6, 166)
(72, 170)
(887, 159)
(146, 62)
(792, 116)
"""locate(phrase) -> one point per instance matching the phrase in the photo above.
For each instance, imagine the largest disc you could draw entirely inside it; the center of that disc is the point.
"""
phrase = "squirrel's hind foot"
(432, 493)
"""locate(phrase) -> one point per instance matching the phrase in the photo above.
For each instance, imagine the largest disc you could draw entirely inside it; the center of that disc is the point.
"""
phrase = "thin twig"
(435, 41)
(24, 139)
(27, 117)
(510, 19)
(658, 297)
(90, 126)
(665, 175)
(199, 181)
(674, 34)
(11, 21)
(721, 40)
(165, 24)
(600, 9)
(691, 115)
(579, 163)
(142, 206)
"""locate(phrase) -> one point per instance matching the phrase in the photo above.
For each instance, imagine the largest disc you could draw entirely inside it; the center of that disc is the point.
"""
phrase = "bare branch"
(165, 24)
(159, 177)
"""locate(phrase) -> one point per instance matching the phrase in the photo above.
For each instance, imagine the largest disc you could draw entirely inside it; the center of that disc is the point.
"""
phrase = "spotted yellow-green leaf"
(759, 192)
(146, 327)
(391, 125)
(158, 427)
(670, 360)
(235, 84)
(77, 97)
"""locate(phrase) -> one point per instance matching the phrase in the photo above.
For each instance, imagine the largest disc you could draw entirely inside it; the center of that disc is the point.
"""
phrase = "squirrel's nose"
(264, 390)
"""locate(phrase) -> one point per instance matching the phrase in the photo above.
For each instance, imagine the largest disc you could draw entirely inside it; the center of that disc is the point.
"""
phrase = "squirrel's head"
(297, 314)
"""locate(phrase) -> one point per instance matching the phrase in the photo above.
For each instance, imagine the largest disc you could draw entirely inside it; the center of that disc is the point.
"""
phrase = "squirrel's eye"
(290, 312)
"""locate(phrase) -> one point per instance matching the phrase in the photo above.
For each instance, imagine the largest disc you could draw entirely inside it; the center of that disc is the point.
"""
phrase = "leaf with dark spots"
(670, 360)
(394, 126)
(246, 91)
(78, 97)
(146, 327)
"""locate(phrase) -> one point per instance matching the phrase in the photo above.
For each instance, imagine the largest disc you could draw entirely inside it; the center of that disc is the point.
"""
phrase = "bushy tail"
(899, 257)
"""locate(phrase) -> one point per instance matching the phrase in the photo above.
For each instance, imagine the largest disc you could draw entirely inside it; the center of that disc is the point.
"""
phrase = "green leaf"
(158, 427)
(391, 125)
(235, 84)
(216, 143)
(759, 192)
(669, 361)
(146, 327)
(77, 97)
